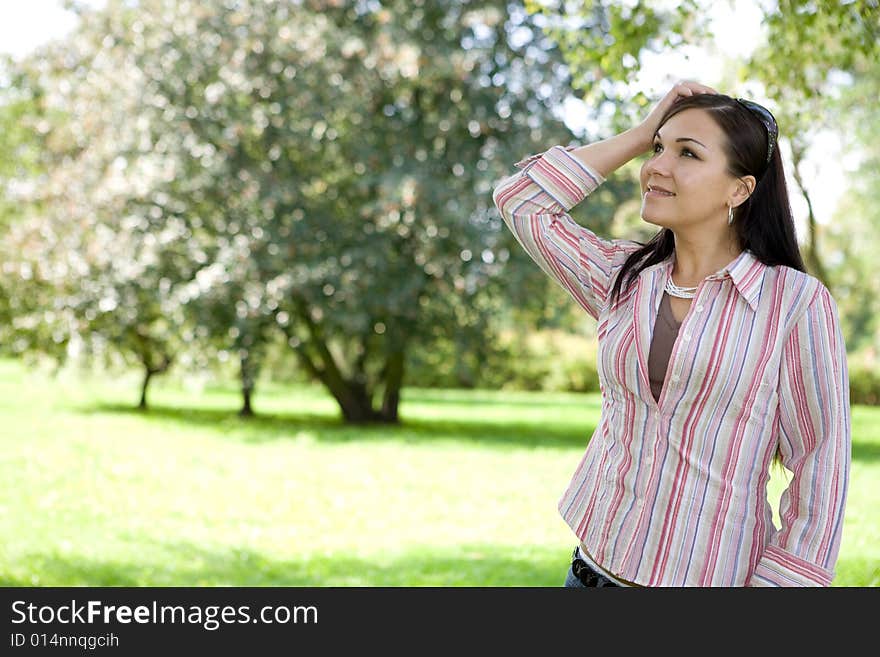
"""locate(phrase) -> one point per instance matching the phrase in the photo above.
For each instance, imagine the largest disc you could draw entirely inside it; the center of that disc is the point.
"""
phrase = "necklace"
(680, 292)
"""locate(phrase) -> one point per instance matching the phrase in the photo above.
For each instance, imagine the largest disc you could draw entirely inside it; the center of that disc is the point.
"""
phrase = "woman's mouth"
(656, 193)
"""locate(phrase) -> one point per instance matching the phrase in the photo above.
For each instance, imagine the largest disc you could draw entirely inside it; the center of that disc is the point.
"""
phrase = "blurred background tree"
(853, 234)
(217, 170)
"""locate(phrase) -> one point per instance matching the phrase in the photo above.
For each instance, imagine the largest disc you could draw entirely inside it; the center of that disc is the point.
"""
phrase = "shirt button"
(700, 308)
(675, 377)
(685, 337)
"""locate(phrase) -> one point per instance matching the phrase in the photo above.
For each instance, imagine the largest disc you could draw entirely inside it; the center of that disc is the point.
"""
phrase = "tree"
(324, 168)
(812, 52)
(852, 237)
(96, 275)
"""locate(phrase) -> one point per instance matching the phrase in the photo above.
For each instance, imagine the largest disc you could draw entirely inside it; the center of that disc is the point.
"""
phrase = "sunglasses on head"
(767, 120)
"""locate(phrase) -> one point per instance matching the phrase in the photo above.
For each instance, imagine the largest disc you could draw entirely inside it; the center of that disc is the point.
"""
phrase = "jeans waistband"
(586, 574)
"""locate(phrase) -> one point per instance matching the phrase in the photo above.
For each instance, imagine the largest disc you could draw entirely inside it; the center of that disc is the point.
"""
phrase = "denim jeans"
(595, 579)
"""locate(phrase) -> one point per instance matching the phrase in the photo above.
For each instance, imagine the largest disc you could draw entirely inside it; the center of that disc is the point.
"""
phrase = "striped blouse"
(672, 492)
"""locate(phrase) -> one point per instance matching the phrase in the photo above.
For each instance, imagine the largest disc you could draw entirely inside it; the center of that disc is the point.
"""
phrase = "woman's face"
(688, 160)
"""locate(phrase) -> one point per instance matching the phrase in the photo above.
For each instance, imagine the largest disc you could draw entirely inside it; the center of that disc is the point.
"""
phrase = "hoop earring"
(729, 214)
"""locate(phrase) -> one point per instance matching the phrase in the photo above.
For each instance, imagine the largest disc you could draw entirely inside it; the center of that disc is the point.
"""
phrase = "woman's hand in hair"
(684, 88)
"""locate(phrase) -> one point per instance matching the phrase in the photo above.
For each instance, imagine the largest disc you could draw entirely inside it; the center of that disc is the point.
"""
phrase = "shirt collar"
(746, 272)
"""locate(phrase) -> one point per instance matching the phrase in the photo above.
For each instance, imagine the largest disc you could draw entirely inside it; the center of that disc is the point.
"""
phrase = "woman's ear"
(744, 188)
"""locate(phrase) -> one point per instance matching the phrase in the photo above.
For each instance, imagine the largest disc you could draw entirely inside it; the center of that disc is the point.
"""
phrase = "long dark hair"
(763, 223)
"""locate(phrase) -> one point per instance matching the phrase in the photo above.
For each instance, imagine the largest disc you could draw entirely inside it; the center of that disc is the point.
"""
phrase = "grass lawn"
(462, 493)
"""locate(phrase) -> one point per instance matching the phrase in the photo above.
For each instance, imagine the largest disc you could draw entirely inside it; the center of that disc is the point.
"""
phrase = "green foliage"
(809, 40)
(864, 384)
(548, 360)
(603, 41)
(19, 146)
(219, 172)
(852, 235)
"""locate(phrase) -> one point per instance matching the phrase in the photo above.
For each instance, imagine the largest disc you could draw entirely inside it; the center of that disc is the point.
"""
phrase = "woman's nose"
(658, 164)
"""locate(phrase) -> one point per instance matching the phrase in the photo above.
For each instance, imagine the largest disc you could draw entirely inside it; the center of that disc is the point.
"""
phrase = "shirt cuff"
(526, 161)
(780, 568)
(563, 176)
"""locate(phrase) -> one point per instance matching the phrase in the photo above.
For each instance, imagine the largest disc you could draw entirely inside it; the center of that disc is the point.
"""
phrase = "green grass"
(462, 493)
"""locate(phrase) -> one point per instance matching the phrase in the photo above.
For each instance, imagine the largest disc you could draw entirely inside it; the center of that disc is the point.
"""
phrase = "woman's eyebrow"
(657, 134)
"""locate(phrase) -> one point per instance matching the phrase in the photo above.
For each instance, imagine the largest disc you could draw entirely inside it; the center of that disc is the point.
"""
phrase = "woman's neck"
(693, 263)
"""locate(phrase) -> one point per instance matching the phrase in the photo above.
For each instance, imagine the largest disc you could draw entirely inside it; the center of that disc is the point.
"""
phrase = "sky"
(736, 24)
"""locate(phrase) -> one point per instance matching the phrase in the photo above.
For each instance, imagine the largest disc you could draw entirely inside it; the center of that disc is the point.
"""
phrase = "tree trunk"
(357, 409)
(148, 374)
(353, 394)
(393, 382)
(246, 410)
(247, 375)
(814, 261)
(353, 397)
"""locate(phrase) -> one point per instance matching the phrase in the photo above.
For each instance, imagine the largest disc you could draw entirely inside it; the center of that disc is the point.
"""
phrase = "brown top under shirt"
(665, 332)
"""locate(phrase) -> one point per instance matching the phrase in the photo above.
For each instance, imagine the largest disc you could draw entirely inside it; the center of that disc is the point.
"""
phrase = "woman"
(717, 354)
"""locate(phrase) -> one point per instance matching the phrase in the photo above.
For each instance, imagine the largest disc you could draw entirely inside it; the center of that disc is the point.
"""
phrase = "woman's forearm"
(610, 154)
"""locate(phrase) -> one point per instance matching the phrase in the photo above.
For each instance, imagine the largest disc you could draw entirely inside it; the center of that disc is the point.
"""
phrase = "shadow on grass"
(331, 429)
(865, 452)
(481, 397)
(432, 396)
(482, 565)
(465, 566)
(266, 427)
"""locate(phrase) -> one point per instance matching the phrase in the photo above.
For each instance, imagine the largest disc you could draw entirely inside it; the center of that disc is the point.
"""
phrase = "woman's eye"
(683, 150)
